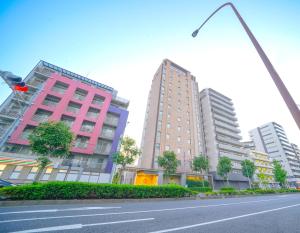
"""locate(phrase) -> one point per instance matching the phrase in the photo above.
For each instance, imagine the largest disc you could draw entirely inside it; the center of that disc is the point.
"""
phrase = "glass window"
(61, 175)
(32, 173)
(2, 167)
(81, 142)
(178, 139)
(80, 94)
(167, 147)
(98, 100)
(178, 150)
(16, 172)
(72, 176)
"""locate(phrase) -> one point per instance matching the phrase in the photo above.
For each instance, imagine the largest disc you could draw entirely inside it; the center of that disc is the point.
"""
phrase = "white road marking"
(223, 220)
(79, 226)
(136, 212)
(57, 210)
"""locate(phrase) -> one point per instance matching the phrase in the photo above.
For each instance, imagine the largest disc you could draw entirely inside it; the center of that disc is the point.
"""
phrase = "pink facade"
(61, 109)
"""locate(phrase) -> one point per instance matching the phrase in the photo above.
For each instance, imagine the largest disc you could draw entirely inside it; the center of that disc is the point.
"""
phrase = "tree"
(127, 154)
(224, 167)
(279, 173)
(50, 139)
(168, 162)
(200, 164)
(263, 179)
(248, 169)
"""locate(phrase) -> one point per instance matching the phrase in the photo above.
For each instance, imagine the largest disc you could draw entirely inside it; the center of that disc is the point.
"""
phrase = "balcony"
(81, 142)
(225, 120)
(98, 100)
(41, 116)
(87, 126)
(222, 103)
(68, 120)
(93, 113)
(228, 133)
(231, 148)
(224, 114)
(222, 108)
(227, 126)
(80, 94)
(60, 87)
(229, 140)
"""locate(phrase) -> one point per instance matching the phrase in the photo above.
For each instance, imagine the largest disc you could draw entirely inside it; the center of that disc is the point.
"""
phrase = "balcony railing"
(79, 96)
(92, 114)
(73, 109)
(91, 167)
(86, 128)
(50, 103)
(40, 118)
(59, 89)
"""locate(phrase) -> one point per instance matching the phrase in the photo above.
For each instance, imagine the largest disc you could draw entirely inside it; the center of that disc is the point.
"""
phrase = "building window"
(60, 87)
(27, 131)
(47, 174)
(93, 113)
(73, 107)
(72, 176)
(41, 115)
(98, 100)
(51, 101)
(108, 132)
(179, 128)
(81, 142)
(61, 175)
(178, 150)
(103, 147)
(112, 119)
(179, 119)
(2, 168)
(67, 120)
(167, 147)
(178, 139)
(16, 172)
(189, 141)
(169, 115)
(87, 126)
(32, 173)
(167, 136)
(80, 94)
(168, 125)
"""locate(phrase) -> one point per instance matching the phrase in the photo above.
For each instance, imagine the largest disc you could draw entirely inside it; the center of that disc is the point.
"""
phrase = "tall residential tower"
(172, 116)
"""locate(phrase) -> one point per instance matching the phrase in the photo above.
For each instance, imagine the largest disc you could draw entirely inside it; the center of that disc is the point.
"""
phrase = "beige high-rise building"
(172, 117)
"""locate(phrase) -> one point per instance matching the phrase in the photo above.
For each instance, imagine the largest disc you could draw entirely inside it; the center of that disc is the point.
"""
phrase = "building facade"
(271, 139)
(221, 135)
(93, 111)
(263, 166)
(172, 117)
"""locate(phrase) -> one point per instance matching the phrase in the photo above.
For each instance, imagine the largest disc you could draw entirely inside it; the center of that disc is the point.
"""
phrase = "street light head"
(195, 33)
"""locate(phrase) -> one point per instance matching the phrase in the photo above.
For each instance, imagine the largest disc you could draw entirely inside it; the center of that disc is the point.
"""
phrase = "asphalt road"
(276, 214)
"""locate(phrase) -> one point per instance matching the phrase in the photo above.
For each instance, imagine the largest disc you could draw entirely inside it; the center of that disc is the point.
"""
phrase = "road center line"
(223, 220)
(79, 226)
(58, 210)
(136, 212)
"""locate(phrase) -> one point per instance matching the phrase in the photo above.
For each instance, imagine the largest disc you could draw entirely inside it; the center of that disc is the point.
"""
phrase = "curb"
(87, 201)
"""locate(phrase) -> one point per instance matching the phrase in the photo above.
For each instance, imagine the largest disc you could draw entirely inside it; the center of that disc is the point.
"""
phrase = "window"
(81, 142)
(27, 131)
(73, 107)
(167, 136)
(47, 174)
(179, 119)
(60, 87)
(67, 120)
(108, 132)
(168, 125)
(167, 147)
(98, 100)
(112, 119)
(179, 128)
(61, 175)
(87, 126)
(103, 147)
(169, 115)
(16, 172)
(41, 115)
(80, 94)
(72, 176)
(189, 141)
(178, 150)
(178, 139)
(32, 173)
(51, 100)
(2, 167)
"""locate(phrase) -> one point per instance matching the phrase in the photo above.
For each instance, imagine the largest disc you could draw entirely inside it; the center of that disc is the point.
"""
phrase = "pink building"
(92, 110)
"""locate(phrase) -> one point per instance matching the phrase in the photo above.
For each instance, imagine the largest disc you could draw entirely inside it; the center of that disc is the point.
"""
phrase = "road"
(261, 214)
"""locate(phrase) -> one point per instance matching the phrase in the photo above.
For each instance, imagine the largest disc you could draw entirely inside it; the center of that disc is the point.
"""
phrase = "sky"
(122, 43)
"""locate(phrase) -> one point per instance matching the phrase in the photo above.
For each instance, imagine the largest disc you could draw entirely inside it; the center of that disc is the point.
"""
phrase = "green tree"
(263, 179)
(127, 154)
(50, 139)
(279, 173)
(224, 167)
(248, 170)
(168, 162)
(200, 164)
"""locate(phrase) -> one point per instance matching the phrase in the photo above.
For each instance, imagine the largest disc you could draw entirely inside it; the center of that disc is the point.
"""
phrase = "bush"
(201, 189)
(197, 183)
(227, 188)
(81, 190)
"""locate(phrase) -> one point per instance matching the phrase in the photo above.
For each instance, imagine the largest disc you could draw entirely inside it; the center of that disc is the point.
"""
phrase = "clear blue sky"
(96, 38)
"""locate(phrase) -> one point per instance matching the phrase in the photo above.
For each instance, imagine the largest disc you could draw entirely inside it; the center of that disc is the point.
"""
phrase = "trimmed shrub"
(201, 189)
(197, 183)
(81, 190)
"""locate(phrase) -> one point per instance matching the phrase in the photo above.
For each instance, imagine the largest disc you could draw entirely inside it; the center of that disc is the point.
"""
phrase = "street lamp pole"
(292, 106)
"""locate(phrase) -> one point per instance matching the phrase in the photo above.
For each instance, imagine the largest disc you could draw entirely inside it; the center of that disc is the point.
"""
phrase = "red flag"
(20, 88)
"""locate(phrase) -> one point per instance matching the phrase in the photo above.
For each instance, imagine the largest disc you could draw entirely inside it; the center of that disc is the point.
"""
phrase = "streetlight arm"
(291, 104)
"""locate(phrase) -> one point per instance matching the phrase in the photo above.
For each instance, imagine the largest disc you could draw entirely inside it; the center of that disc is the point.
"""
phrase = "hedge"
(81, 190)
(197, 183)
(251, 192)
(201, 189)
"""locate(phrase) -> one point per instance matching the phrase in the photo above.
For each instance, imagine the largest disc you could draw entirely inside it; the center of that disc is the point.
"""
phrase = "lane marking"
(58, 210)
(223, 220)
(136, 212)
(79, 226)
